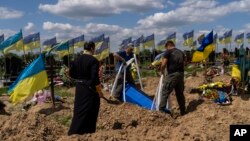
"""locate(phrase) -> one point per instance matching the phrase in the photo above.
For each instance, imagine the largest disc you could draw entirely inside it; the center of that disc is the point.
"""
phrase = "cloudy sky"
(120, 19)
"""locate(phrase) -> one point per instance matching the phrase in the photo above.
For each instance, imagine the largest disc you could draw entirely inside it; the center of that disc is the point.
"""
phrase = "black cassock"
(87, 102)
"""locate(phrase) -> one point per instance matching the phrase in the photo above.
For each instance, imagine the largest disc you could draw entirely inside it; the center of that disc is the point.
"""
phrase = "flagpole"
(24, 58)
(51, 77)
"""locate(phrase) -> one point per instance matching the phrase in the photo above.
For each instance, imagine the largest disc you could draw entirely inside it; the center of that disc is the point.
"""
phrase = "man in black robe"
(84, 70)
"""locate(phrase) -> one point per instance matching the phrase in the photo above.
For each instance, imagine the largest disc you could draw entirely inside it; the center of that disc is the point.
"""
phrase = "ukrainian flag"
(149, 41)
(161, 45)
(31, 79)
(239, 39)
(228, 37)
(137, 44)
(98, 41)
(103, 52)
(62, 49)
(14, 42)
(79, 41)
(248, 37)
(1, 38)
(32, 41)
(188, 38)
(49, 43)
(207, 46)
(200, 38)
(125, 43)
(172, 37)
(221, 40)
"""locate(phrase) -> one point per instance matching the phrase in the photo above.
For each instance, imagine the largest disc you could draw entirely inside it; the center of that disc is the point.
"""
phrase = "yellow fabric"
(156, 62)
(104, 54)
(133, 71)
(200, 56)
(32, 45)
(78, 44)
(149, 44)
(236, 72)
(29, 86)
(189, 42)
(18, 46)
(137, 50)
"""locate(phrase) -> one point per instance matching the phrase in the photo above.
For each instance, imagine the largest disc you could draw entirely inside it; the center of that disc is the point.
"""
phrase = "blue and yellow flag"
(188, 38)
(161, 45)
(103, 52)
(149, 41)
(200, 38)
(248, 37)
(172, 37)
(62, 49)
(14, 42)
(47, 44)
(228, 37)
(31, 79)
(239, 39)
(137, 44)
(79, 41)
(207, 46)
(98, 41)
(32, 41)
(125, 43)
(1, 38)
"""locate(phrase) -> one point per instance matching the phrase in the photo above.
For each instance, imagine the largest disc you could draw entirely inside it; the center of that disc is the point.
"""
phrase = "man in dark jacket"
(173, 62)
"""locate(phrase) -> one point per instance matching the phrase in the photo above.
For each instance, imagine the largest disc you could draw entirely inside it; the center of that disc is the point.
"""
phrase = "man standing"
(122, 57)
(173, 61)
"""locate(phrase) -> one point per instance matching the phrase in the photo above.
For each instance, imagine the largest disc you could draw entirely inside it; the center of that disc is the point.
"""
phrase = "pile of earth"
(205, 120)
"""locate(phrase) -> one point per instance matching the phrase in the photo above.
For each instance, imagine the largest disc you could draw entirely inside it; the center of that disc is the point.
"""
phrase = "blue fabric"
(78, 39)
(31, 38)
(124, 55)
(51, 41)
(138, 97)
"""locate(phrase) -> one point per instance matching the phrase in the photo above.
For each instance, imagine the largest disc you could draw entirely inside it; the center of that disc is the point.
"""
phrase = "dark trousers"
(119, 87)
(174, 81)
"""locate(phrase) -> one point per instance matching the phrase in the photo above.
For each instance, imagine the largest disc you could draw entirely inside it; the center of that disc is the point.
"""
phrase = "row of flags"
(19, 43)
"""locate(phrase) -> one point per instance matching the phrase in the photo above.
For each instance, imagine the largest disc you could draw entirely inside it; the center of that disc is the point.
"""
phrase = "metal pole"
(124, 84)
(138, 71)
(116, 79)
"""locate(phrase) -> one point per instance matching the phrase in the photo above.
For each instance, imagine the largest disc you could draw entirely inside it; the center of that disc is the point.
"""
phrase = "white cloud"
(194, 11)
(64, 31)
(84, 9)
(7, 32)
(6, 13)
(30, 27)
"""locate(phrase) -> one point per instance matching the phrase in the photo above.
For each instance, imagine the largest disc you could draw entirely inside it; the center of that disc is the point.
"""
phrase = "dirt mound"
(204, 121)
(24, 126)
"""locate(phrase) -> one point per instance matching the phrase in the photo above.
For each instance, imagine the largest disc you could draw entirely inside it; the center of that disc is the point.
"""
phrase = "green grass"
(61, 91)
(63, 120)
(145, 73)
(3, 90)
